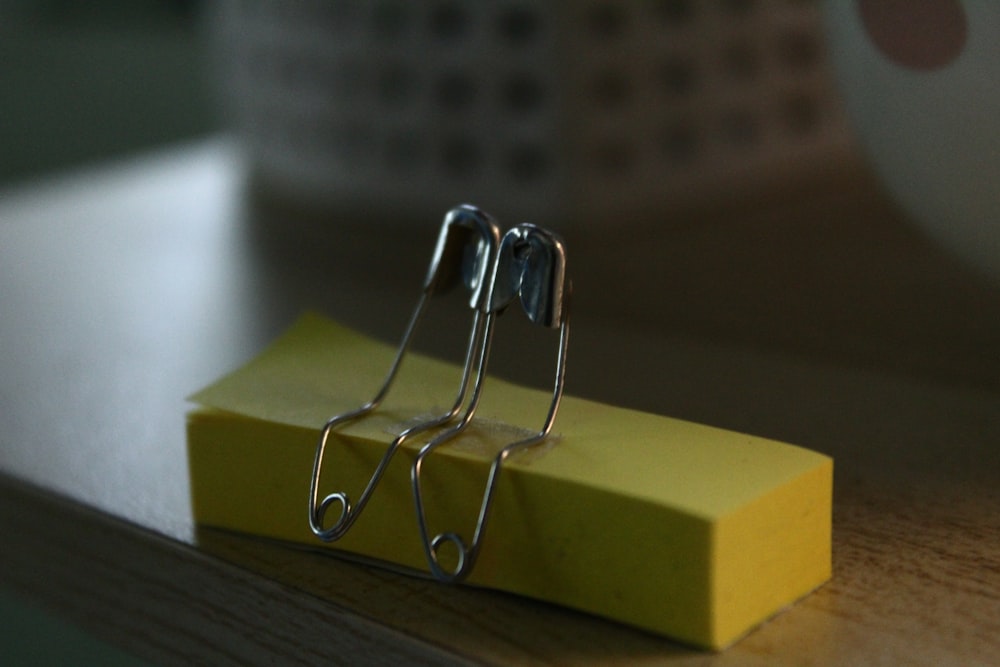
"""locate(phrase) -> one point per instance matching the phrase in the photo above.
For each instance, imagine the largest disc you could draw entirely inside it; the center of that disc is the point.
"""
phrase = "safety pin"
(466, 252)
(532, 266)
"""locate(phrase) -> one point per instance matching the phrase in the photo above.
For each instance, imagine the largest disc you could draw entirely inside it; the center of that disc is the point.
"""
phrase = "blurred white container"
(582, 111)
(922, 86)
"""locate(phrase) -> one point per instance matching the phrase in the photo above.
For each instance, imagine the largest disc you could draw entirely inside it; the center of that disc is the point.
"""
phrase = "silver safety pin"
(531, 265)
(466, 251)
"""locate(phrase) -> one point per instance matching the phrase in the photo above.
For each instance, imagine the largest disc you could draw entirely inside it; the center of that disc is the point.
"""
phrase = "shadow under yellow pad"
(686, 530)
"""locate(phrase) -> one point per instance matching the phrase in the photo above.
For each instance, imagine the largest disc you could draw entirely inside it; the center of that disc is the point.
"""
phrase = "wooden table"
(825, 321)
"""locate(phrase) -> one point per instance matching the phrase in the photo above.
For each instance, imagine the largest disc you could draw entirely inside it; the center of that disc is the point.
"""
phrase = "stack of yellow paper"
(686, 530)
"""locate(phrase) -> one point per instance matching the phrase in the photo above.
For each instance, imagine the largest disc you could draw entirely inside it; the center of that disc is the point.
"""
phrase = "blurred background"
(657, 101)
(86, 81)
(82, 83)
(575, 113)
(698, 154)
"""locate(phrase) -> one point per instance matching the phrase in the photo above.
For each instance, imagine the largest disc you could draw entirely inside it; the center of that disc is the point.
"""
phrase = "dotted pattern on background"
(685, 82)
(525, 96)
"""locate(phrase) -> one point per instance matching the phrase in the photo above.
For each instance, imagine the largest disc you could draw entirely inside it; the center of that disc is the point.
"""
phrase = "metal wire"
(531, 266)
(467, 248)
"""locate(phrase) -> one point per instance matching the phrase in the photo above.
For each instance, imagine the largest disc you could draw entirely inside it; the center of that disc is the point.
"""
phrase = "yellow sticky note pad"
(682, 529)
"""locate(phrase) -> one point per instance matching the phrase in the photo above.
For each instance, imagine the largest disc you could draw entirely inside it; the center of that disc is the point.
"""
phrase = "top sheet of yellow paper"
(637, 452)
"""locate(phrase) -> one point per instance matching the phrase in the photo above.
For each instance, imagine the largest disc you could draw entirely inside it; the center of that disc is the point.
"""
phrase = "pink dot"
(919, 34)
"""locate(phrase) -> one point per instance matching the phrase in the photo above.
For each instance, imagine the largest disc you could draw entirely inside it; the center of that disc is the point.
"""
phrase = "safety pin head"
(466, 252)
(532, 265)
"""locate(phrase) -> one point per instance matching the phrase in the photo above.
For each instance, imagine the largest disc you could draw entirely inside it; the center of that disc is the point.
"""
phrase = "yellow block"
(690, 531)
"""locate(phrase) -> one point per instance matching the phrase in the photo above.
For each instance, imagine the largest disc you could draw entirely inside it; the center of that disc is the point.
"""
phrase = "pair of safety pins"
(526, 264)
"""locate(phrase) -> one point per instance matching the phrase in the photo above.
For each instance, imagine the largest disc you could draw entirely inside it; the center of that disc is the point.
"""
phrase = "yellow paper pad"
(686, 530)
